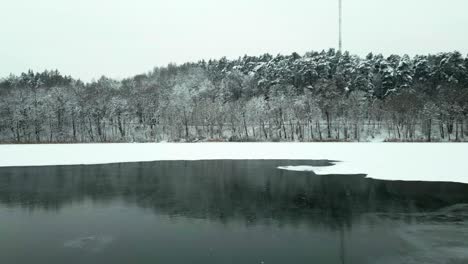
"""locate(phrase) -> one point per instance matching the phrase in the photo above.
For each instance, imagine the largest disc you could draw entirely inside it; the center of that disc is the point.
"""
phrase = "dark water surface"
(225, 212)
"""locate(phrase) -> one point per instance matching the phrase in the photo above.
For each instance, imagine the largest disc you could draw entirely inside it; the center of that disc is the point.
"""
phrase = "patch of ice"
(336, 168)
(91, 243)
(79, 242)
(300, 168)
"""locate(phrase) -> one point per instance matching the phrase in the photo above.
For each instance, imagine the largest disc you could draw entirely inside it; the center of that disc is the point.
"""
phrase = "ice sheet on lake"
(91, 243)
(300, 168)
(387, 161)
(336, 168)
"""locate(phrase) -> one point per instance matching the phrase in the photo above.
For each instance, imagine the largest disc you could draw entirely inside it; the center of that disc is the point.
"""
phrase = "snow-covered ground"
(387, 161)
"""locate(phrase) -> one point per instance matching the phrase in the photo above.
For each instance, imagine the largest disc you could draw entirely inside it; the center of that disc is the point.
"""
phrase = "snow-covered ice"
(300, 168)
(447, 162)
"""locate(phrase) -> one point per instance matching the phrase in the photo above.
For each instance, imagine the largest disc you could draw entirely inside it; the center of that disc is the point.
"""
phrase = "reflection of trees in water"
(250, 191)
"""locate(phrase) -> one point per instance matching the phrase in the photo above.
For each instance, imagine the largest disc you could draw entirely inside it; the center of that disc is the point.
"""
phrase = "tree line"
(317, 96)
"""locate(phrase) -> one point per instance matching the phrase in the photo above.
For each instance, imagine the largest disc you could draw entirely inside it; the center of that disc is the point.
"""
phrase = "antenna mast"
(340, 42)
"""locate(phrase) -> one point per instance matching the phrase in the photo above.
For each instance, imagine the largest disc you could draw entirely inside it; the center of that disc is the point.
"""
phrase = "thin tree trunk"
(119, 123)
(328, 124)
(429, 130)
(264, 130)
(441, 128)
(356, 135)
(292, 129)
(245, 125)
(186, 125)
(74, 128)
(319, 130)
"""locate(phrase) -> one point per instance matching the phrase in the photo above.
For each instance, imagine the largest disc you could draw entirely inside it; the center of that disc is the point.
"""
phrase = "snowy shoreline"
(443, 162)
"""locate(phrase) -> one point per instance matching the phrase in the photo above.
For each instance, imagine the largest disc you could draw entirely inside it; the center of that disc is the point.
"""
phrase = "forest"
(317, 96)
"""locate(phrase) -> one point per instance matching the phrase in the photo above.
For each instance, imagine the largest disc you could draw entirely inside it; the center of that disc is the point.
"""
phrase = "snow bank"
(387, 161)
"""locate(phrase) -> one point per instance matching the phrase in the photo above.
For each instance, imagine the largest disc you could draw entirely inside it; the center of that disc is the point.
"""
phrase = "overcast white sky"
(120, 38)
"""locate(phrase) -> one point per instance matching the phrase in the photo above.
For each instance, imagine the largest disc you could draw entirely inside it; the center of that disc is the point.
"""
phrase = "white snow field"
(446, 162)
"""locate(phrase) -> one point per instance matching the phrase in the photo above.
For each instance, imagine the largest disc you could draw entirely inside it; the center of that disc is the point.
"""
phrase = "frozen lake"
(225, 211)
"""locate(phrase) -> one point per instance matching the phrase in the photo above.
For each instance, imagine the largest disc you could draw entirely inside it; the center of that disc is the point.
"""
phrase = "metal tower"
(340, 20)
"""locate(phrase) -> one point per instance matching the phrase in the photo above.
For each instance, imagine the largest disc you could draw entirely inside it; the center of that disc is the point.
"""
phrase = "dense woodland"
(319, 96)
